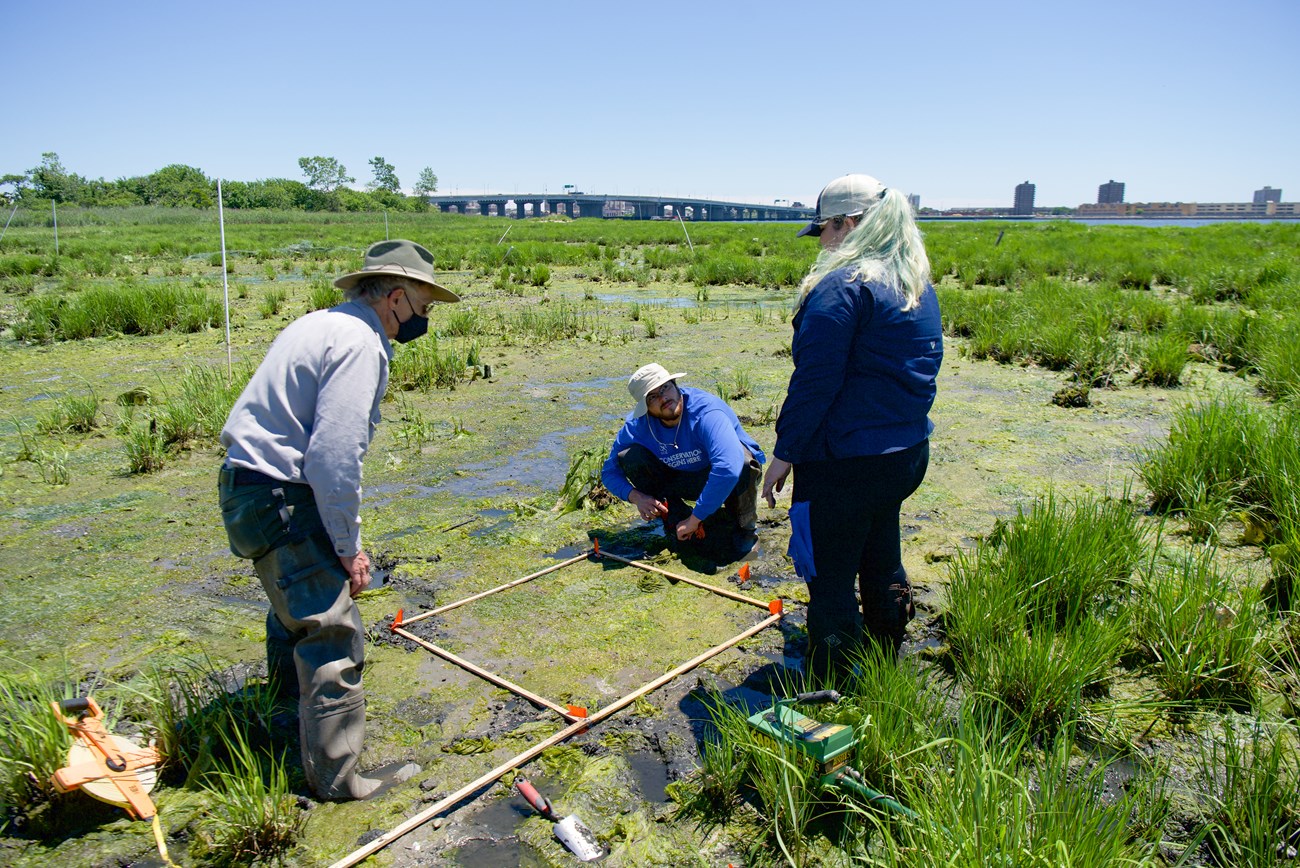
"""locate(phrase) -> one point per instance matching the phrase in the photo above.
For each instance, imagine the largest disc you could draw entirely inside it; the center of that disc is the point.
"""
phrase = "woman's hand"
(774, 479)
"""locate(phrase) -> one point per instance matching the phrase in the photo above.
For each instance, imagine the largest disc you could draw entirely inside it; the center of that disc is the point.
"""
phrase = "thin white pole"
(385, 225)
(225, 284)
(54, 207)
(687, 234)
(7, 222)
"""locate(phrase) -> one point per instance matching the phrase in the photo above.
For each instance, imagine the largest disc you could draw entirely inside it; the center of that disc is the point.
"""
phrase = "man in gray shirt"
(291, 495)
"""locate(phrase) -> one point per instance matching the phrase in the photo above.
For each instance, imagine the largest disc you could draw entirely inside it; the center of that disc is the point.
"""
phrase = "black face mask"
(414, 327)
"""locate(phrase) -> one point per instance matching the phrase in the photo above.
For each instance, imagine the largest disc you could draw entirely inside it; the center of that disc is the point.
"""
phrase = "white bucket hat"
(646, 379)
(846, 196)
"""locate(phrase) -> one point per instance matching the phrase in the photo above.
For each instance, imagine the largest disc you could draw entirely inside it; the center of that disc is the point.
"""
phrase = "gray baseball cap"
(401, 258)
(846, 196)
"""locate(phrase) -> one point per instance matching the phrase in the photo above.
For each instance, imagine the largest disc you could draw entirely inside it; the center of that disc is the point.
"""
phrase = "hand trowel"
(571, 832)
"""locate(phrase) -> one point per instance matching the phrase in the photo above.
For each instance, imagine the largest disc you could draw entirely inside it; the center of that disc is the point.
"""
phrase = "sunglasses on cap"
(836, 223)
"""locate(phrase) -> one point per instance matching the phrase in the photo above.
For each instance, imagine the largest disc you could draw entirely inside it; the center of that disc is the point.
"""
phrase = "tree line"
(324, 188)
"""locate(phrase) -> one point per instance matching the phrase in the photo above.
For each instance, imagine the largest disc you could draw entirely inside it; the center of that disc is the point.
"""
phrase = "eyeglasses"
(663, 392)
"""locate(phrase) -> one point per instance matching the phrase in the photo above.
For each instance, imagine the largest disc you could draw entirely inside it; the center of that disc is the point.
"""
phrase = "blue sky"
(957, 102)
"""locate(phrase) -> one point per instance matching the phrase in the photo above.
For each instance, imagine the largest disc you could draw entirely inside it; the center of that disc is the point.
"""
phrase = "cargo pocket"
(256, 523)
(801, 547)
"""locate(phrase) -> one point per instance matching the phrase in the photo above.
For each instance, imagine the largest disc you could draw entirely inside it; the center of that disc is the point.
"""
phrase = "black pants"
(729, 532)
(854, 506)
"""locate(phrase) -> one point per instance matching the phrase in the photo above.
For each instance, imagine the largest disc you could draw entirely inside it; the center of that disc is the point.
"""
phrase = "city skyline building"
(1268, 194)
(1110, 193)
(1024, 201)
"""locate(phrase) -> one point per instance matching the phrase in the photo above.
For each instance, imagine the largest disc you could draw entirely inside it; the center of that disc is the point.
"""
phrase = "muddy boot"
(331, 734)
(375, 783)
(834, 640)
(887, 626)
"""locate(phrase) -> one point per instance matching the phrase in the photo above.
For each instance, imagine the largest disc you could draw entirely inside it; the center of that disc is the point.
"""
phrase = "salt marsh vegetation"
(1104, 669)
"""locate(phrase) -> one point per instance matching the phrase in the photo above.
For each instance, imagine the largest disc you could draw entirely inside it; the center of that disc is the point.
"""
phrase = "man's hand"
(649, 508)
(687, 528)
(774, 479)
(358, 570)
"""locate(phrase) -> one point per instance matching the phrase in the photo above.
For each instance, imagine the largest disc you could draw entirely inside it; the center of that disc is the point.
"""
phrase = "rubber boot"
(834, 639)
(887, 625)
(332, 734)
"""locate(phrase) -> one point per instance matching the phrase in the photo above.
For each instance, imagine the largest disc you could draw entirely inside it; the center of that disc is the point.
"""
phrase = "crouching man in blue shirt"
(682, 444)
(291, 497)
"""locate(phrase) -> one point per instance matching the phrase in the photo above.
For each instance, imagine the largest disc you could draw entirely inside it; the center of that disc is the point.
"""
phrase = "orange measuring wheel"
(108, 767)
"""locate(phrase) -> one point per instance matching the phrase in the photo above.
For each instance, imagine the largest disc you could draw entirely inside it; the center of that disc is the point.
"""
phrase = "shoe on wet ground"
(375, 783)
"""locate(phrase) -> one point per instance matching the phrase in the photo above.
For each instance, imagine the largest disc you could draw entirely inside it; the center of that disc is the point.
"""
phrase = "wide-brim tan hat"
(646, 379)
(401, 258)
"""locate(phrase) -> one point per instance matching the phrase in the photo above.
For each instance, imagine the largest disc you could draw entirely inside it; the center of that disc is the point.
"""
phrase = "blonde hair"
(884, 247)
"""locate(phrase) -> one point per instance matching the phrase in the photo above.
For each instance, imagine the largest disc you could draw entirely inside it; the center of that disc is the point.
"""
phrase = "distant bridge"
(521, 205)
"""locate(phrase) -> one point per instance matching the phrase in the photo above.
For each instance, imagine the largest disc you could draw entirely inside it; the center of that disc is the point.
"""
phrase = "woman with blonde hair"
(868, 343)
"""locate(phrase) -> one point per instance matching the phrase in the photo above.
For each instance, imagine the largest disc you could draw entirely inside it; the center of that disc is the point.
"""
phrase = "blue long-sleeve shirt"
(864, 372)
(708, 436)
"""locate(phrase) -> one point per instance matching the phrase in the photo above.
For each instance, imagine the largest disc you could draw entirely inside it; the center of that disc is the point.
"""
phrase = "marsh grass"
(551, 322)
(197, 713)
(1283, 657)
(321, 294)
(192, 413)
(895, 709)
(1274, 349)
(1200, 635)
(1065, 559)
(427, 364)
(72, 414)
(993, 799)
(1035, 614)
(1161, 360)
(254, 816)
(146, 451)
(127, 308)
(52, 464)
(413, 427)
(196, 410)
(464, 321)
(740, 385)
(1207, 456)
(1249, 777)
(33, 742)
(272, 300)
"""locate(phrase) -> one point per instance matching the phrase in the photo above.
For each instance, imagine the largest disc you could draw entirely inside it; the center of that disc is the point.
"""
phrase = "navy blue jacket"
(864, 372)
